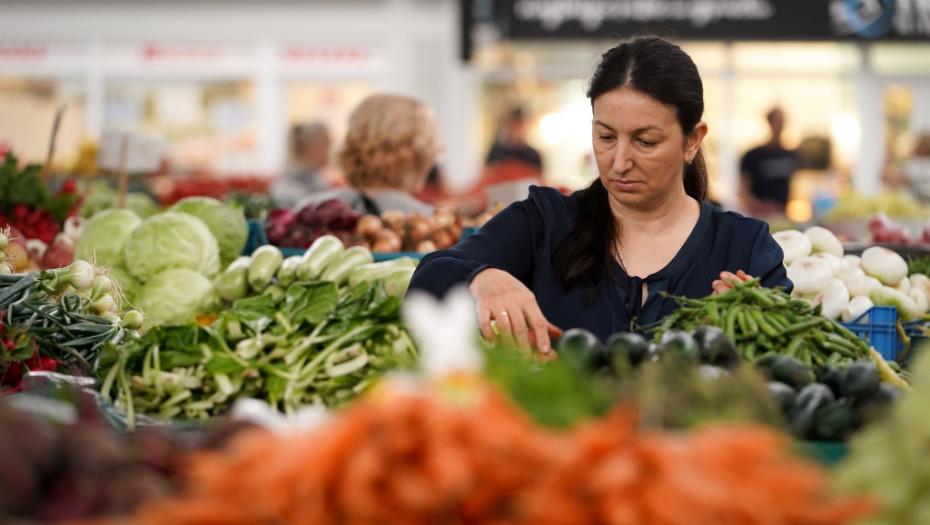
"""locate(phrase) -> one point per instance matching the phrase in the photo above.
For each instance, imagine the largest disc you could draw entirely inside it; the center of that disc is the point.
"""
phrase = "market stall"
(187, 351)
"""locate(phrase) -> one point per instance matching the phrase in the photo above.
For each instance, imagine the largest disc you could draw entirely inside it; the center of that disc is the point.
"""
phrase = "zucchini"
(397, 282)
(324, 250)
(860, 379)
(233, 283)
(830, 376)
(789, 370)
(378, 270)
(802, 416)
(784, 395)
(714, 347)
(627, 349)
(680, 343)
(581, 348)
(338, 269)
(836, 421)
(287, 273)
(266, 260)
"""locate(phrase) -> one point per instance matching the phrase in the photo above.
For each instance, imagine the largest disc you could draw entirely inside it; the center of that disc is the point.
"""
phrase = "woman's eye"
(605, 138)
(646, 142)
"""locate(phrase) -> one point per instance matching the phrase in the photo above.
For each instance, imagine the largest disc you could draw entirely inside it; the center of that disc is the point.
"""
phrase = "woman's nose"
(622, 160)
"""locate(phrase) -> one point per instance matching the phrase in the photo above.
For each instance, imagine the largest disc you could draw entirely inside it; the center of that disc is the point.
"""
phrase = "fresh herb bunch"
(24, 189)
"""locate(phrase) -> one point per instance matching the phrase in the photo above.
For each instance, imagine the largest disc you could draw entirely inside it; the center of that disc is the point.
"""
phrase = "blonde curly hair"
(391, 142)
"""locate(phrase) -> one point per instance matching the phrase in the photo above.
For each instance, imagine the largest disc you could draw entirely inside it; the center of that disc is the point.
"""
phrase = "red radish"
(59, 254)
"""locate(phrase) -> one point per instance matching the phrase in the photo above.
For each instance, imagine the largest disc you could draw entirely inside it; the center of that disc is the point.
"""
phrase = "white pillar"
(728, 157)
(96, 90)
(270, 134)
(920, 115)
(866, 176)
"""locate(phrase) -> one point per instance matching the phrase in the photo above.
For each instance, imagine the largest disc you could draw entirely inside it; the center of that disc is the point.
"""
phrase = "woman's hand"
(728, 279)
(503, 298)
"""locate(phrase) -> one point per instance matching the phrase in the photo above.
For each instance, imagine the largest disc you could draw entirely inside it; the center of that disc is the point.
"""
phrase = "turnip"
(883, 264)
(810, 274)
(855, 308)
(862, 286)
(888, 296)
(832, 299)
(794, 244)
(836, 263)
(824, 241)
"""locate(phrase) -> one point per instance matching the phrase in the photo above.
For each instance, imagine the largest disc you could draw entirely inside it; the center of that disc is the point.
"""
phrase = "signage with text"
(720, 19)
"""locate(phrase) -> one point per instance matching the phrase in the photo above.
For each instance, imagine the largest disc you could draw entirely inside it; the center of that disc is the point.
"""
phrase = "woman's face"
(640, 149)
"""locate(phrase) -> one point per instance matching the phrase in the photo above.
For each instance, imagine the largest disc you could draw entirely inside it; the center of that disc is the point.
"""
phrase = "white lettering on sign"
(592, 14)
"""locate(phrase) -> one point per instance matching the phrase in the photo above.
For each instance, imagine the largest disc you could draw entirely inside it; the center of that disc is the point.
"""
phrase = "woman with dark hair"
(597, 259)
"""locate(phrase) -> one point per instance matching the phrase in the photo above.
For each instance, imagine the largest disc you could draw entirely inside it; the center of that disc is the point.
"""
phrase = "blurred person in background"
(390, 147)
(766, 171)
(604, 257)
(310, 146)
(511, 145)
(917, 168)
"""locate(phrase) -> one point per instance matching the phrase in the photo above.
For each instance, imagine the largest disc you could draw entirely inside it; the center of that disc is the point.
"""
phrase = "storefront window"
(27, 115)
(210, 125)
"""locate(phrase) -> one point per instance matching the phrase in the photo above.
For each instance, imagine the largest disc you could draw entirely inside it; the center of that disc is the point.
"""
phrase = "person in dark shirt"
(511, 145)
(599, 258)
(766, 172)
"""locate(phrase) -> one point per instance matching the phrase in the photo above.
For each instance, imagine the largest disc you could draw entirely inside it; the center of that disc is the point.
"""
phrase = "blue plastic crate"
(879, 328)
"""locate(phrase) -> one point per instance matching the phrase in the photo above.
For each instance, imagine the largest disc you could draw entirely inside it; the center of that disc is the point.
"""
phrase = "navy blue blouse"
(520, 240)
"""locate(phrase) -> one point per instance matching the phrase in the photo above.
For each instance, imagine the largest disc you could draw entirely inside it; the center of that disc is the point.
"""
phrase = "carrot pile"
(474, 459)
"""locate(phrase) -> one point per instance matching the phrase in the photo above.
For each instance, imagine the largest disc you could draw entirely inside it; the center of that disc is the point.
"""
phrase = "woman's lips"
(625, 185)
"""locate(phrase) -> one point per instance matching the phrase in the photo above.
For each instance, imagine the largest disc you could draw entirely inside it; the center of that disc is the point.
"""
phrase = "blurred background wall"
(222, 80)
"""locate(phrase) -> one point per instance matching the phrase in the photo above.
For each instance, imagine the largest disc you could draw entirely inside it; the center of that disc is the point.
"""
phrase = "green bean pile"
(764, 320)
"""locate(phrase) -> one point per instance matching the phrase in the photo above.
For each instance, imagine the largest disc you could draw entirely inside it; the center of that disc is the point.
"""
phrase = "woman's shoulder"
(735, 222)
(552, 201)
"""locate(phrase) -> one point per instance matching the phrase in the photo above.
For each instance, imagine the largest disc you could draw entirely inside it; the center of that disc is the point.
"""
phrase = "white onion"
(810, 274)
(888, 296)
(851, 261)
(832, 299)
(836, 263)
(855, 307)
(903, 285)
(863, 286)
(921, 302)
(794, 244)
(921, 282)
(883, 264)
(850, 273)
(824, 241)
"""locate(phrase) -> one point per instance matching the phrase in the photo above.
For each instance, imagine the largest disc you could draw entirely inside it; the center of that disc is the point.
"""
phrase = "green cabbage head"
(172, 240)
(104, 236)
(226, 222)
(176, 296)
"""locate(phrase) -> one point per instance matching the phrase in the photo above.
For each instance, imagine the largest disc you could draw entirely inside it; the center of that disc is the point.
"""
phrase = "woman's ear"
(694, 140)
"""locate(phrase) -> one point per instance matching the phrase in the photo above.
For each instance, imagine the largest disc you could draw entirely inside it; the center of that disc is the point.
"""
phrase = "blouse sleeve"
(504, 242)
(767, 261)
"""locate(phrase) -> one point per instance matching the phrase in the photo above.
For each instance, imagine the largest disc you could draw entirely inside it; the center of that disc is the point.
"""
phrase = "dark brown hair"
(663, 71)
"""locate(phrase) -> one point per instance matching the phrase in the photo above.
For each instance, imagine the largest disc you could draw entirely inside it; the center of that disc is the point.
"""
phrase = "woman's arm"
(496, 263)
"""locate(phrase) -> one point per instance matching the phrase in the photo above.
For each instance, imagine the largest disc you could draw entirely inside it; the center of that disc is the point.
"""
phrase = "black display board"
(792, 20)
